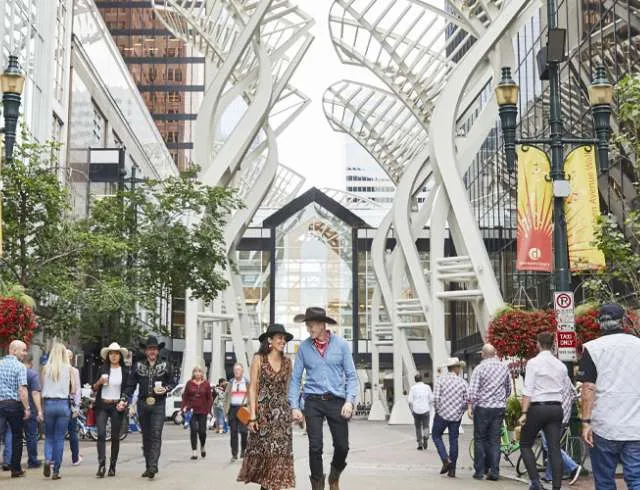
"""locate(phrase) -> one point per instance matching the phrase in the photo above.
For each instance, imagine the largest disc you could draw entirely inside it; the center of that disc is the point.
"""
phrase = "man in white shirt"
(609, 370)
(420, 401)
(545, 379)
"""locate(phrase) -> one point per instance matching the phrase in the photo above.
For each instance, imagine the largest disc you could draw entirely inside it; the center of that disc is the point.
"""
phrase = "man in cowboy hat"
(488, 392)
(329, 392)
(152, 377)
(451, 396)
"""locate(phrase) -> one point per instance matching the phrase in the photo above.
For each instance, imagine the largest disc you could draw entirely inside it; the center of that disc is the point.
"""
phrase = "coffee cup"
(105, 379)
(157, 386)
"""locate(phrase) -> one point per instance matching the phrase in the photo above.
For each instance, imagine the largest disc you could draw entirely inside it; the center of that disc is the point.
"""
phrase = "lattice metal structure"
(253, 49)
(420, 52)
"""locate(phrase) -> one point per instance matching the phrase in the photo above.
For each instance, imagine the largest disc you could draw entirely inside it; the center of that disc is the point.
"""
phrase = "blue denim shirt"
(334, 373)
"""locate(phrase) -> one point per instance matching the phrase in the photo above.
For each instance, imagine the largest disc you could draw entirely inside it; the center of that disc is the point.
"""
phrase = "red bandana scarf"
(322, 345)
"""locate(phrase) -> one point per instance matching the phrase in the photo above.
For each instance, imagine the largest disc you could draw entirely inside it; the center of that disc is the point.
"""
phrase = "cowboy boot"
(317, 484)
(334, 477)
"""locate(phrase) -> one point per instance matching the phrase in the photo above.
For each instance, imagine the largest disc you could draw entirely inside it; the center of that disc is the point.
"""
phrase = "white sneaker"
(575, 475)
(77, 463)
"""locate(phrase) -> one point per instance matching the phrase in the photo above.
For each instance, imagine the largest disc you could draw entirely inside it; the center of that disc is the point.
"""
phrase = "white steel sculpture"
(418, 51)
(253, 49)
(394, 137)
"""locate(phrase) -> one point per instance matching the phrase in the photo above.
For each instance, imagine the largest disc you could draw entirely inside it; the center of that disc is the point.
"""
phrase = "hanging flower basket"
(17, 319)
(513, 332)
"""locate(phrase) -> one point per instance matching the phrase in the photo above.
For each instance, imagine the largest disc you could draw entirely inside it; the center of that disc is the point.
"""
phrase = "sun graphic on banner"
(535, 197)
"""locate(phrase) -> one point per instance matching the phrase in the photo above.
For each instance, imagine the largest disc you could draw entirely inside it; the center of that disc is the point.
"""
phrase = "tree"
(89, 278)
(173, 235)
(620, 280)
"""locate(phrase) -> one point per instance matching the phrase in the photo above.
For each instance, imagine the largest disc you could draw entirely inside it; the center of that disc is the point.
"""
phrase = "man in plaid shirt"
(490, 388)
(451, 398)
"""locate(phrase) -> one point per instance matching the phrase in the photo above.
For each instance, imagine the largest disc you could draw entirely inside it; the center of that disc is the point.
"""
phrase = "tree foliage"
(90, 278)
(620, 280)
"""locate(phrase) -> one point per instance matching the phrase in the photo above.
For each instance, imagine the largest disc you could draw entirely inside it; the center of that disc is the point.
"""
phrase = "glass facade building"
(168, 72)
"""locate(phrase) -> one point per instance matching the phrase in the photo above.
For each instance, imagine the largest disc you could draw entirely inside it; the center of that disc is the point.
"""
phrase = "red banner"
(535, 199)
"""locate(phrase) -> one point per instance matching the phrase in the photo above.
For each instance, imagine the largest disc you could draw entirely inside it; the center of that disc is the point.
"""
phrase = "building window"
(178, 75)
(99, 127)
(60, 54)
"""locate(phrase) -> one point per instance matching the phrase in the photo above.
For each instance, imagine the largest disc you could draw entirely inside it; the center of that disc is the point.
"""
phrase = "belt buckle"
(150, 400)
(326, 397)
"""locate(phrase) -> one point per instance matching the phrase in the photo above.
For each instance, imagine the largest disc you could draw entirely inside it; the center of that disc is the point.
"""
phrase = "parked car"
(172, 407)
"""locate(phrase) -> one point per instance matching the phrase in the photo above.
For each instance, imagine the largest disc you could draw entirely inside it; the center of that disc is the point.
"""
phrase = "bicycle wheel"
(472, 449)
(575, 447)
(521, 469)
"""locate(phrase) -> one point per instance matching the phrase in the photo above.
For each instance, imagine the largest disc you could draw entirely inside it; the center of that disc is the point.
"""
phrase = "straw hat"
(113, 347)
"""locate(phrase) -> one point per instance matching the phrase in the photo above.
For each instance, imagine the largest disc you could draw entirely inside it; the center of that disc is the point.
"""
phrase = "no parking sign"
(566, 338)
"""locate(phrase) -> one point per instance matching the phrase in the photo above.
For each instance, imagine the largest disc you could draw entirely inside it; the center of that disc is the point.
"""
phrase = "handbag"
(243, 415)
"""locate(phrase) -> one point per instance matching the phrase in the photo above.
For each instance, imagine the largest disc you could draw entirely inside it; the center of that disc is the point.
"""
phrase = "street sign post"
(566, 338)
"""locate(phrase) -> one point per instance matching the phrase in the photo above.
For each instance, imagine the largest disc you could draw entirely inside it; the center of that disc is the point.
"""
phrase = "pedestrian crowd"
(258, 410)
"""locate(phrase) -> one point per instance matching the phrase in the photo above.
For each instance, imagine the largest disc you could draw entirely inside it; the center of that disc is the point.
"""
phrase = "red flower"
(17, 322)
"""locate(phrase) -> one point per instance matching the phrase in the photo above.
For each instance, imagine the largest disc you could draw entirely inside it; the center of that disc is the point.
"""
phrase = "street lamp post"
(12, 84)
(600, 99)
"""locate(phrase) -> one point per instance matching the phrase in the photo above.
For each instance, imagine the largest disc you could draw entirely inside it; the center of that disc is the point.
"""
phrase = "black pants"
(103, 414)
(315, 411)
(12, 413)
(198, 426)
(152, 422)
(235, 427)
(421, 421)
(547, 418)
(487, 424)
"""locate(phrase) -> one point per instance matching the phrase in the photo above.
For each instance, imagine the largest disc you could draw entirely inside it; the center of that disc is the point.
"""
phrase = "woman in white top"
(111, 402)
(57, 384)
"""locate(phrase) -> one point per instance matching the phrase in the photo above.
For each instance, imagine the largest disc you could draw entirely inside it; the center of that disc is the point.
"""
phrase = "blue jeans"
(439, 426)
(568, 464)
(8, 442)
(219, 414)
(74, 445)
(31, 436)
(605, 456)
(56, 423)
(487, 423)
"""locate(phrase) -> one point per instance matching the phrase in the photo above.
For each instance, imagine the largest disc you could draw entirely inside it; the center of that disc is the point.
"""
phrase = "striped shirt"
(13, 375)
(238, 392)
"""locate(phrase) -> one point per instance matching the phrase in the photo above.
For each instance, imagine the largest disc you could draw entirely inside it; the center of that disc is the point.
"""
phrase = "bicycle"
(574, 446)
(508, 447)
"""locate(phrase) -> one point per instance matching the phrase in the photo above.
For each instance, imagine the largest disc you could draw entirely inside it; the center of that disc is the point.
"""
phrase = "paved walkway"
(382, 457)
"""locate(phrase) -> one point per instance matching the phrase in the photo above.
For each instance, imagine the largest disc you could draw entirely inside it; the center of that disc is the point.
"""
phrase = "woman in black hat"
(268, 458)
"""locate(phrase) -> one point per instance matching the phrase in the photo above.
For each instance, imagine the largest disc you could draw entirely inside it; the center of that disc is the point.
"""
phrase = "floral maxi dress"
(268, 459)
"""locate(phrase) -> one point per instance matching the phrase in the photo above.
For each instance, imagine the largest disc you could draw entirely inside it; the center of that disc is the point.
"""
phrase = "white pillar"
(192, 354)
(216, 369)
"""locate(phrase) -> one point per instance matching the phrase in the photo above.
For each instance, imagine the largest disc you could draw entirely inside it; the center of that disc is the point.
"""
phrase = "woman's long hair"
(264, 348)
(58, 361)
(107, 361)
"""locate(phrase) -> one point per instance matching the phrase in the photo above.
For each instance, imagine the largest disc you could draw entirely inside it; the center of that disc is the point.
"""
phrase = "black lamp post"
(12, 84)
(600, 99)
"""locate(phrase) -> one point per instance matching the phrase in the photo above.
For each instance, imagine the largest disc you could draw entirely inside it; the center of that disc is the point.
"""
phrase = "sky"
(309, 146)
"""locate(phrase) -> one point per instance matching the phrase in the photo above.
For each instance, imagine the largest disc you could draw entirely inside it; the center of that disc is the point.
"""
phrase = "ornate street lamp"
(12, 84)
(601, 99)
(507, 97)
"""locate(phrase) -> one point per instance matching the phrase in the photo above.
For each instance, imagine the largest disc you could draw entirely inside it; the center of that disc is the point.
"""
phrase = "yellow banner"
(535, 198)
(582, 209)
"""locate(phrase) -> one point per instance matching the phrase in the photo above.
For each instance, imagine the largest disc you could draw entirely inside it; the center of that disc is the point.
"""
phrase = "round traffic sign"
(564, 300)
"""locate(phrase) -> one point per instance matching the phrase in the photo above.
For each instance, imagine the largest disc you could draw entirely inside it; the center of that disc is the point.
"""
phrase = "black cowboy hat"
(274, 329)
(152, 341)
(314, 314)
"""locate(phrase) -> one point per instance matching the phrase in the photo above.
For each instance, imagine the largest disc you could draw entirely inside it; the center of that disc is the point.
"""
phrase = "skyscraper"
(168, 72)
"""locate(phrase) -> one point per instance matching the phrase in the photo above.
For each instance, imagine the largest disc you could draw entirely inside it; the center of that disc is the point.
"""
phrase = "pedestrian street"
(382, 457)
